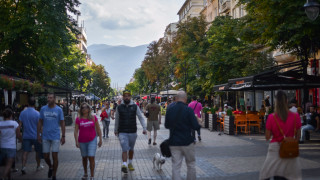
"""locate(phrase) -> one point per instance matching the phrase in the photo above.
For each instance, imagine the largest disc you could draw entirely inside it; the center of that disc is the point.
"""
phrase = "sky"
(127, 22)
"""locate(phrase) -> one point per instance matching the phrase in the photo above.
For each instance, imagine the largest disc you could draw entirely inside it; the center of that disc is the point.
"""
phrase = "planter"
(68, 120)
(206, 120)
(213, 122)
(229, 125)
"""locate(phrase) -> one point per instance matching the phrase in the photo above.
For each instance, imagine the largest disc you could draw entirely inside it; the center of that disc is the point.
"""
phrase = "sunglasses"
(85, 107)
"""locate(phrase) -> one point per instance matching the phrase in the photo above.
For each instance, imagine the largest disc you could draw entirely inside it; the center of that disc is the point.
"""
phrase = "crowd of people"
(45, 131)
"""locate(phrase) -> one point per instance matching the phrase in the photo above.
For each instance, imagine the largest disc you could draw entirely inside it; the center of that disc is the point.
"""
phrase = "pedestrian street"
(217, 157)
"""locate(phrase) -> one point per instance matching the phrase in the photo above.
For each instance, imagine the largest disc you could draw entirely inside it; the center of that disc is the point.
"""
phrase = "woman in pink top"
(85, 134)
(274, 166)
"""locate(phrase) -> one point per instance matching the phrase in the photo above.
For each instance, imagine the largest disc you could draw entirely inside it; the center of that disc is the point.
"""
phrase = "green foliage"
(189, 52)
(228, 56)
(281, 24)
(36, 35)
(229, 112)
(205, 110)
(100, 81)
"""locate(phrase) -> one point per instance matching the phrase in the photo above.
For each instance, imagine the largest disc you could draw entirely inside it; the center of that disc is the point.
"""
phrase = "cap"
(225, 105)
(126, 92)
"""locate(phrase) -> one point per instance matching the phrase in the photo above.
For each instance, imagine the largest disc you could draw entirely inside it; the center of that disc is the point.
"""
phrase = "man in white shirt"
(293, 106)
(73, 110)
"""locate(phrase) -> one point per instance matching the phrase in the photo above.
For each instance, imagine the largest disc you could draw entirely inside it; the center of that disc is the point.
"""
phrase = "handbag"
(289, 147)
(147, 114)
(164, 146)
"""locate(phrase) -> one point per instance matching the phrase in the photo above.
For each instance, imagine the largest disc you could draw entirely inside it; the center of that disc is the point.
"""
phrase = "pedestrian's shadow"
(125, 176)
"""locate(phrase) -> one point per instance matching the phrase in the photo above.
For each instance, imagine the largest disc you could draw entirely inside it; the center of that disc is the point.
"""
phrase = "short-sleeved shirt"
(29, 118)
(108, 111)
(73, 107)
(51, 122)
(8, 134)
(287, 127)
(87, 131)
(153, 110)
(196, 107)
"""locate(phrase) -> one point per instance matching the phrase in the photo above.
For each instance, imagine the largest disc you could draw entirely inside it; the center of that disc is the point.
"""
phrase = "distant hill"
(119, 61)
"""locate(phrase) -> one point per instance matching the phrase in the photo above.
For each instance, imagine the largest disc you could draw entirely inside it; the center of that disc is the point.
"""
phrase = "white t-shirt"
(294, 109)
(8, 134)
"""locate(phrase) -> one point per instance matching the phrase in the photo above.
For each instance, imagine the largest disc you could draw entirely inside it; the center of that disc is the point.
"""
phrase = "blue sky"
(127, 22)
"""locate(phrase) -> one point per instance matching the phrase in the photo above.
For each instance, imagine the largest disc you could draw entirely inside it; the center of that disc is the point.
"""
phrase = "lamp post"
(312, 10)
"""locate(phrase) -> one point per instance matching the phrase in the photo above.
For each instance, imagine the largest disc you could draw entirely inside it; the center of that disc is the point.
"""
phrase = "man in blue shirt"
(29, 119)
(51, 117)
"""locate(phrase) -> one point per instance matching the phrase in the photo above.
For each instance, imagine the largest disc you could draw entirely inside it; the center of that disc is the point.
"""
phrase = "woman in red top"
(274, 166)
(85, 134)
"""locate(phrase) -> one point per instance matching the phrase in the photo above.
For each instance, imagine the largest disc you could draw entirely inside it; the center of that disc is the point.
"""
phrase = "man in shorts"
(29, 119)
(126, 128)
(51, 117)
(154, 119)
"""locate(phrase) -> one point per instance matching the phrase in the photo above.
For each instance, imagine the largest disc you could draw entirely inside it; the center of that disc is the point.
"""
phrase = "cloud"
(124, 23)
(125, 14)
(127, 22)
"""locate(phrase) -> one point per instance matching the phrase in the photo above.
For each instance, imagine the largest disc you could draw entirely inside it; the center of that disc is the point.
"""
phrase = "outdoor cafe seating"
(244, 121)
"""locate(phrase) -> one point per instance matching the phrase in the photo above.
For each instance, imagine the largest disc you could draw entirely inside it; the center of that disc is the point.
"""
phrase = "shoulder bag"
(289, 147)
(164, 146)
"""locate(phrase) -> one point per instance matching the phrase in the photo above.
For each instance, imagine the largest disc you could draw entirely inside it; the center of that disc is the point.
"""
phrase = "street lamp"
(312, 9)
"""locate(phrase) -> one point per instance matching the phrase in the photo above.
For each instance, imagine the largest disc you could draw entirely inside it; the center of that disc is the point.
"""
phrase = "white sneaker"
(40, 167)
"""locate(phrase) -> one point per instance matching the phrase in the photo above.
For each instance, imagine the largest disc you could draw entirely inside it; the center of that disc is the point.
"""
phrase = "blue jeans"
(304, 129)
(89, 149)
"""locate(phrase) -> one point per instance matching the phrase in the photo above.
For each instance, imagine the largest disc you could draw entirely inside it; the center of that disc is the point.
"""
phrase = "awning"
(221, 87)
(277, 77)
(91, 96)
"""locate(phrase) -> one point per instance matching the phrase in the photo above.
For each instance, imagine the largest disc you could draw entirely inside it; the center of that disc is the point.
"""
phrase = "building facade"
(190, 8)
(210, 10)
(170, 31)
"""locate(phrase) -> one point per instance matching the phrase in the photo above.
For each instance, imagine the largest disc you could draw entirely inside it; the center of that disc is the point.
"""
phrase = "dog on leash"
(158, 160)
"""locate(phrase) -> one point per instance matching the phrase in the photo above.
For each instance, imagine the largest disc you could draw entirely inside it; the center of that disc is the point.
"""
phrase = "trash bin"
(68, 120)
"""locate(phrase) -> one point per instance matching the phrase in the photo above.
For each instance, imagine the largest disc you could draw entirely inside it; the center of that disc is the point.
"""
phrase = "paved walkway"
(217, 157)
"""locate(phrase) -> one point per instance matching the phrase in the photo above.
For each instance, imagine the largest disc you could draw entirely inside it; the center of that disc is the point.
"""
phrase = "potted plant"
(229, 123)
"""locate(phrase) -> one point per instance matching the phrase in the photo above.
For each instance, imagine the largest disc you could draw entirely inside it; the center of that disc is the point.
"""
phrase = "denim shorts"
(7, 153)
(27, 145)
(89, 149)
(127, 141)
(54, 145)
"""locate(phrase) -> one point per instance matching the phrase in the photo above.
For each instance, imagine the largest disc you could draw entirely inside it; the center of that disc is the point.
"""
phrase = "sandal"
(85, 177)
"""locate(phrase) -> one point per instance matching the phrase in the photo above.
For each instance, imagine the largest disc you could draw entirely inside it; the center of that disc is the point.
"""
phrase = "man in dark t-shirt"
(312, 123)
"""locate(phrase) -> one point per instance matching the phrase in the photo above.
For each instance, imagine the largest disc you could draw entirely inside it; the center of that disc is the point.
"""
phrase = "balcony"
(224, 6)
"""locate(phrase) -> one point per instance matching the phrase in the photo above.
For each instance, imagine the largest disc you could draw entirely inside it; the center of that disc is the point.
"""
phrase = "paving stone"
(217, 157)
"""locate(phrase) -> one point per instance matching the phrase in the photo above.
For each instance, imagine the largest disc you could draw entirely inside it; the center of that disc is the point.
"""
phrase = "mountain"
(119, 61)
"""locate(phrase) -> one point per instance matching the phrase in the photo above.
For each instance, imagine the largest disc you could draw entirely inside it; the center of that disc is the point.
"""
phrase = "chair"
(221, 122)
(254, 121)
(241, 121)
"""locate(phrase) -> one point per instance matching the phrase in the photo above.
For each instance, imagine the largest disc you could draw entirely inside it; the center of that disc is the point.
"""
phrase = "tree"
(36, 35)
(281, 25)
(100, 81)
(189, 50)
(228, 56)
